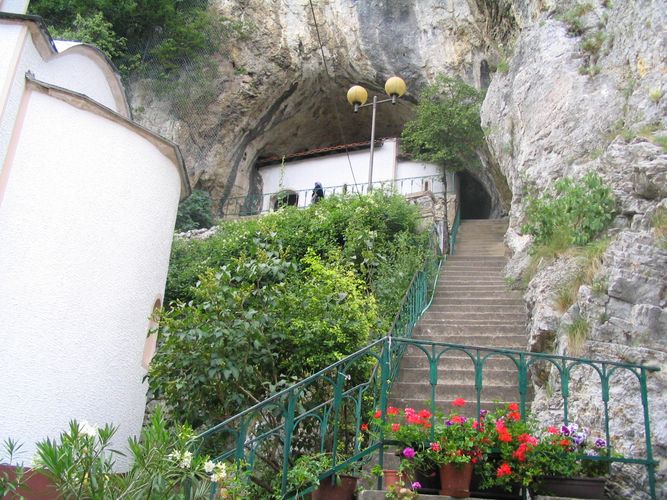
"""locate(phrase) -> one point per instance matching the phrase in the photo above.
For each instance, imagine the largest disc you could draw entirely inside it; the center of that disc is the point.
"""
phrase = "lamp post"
(357, 97)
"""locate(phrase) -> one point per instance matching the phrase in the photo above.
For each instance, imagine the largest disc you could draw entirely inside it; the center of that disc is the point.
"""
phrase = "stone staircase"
(472, 306)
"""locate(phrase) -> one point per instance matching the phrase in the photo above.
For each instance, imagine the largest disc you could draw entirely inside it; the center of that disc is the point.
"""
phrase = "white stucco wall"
(408, 169)
(14, 6)
(85, 232)
(333, 171)
(79, 68)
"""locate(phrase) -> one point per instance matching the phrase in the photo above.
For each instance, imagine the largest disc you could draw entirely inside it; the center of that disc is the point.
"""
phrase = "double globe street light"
(357, 97)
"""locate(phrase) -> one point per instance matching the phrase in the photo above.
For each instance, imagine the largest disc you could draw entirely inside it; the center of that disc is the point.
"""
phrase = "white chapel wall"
(85, 232)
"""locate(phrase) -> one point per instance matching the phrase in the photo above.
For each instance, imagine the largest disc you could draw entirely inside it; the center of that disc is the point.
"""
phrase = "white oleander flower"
(186, 460)
(209, 466)
(88, 430)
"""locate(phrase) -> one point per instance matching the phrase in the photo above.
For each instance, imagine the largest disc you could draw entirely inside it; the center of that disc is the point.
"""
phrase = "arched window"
(151, 338)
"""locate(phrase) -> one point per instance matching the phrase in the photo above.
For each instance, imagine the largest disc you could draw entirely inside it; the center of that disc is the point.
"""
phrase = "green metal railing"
(324, 412)
(453, 233)
(254, 204)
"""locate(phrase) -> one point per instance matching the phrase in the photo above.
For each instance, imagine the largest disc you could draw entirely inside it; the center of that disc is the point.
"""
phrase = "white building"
(88, 201)
(290, 180)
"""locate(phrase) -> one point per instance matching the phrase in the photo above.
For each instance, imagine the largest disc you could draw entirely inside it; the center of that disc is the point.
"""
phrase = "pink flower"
(416, 485)
(409, 453)
(435, 446)
(395, 427)
(409, 411)
(552, 430)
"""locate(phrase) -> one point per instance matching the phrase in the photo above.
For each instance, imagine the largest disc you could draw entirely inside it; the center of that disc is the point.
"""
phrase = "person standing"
(318, 193)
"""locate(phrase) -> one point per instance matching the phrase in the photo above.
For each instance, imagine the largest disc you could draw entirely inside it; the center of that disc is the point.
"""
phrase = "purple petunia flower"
(565, 430)
(409, 453)
(416, 485)
(482, 413)
(449, 423)
(600, 443)
(578, 439)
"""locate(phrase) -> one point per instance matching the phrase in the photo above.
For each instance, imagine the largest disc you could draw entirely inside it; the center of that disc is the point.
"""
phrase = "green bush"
(574, 214)
(194, 212)
(270, 300)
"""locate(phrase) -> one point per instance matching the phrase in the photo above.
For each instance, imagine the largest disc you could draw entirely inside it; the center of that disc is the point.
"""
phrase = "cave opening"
(475, 201)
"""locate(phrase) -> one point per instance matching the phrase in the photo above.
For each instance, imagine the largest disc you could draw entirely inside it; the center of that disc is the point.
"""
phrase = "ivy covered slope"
(267, 301)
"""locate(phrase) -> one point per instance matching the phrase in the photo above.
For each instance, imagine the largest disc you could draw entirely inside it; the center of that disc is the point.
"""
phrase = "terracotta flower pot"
(393, 477)
(37, 485)
(455, 480)
(343, 489)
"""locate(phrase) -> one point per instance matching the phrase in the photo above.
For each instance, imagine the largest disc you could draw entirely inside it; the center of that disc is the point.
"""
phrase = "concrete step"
(449, 391)
(449, 361)
(458, 376)
(481, 315)
(489, 290)
(501, 341)
(482, 300)
(425, 329)
(446, 307)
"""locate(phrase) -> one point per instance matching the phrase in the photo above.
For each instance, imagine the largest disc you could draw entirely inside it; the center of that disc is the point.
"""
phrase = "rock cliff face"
(579, 86)
(564, 108)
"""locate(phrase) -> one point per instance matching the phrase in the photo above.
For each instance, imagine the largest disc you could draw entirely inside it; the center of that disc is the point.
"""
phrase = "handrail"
(455, 229)
(255, 204)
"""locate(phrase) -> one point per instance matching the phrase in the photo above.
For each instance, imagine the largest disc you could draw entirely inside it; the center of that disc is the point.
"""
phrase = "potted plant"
(306, 471)
(339, 486)
(455, 449)
(590, 477)
(544, 461)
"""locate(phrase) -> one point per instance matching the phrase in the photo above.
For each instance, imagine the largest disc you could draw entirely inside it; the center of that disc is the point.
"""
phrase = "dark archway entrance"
(475, 201)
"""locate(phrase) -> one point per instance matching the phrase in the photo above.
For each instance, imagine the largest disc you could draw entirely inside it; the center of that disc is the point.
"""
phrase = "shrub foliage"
(574, 214)
(270, 300)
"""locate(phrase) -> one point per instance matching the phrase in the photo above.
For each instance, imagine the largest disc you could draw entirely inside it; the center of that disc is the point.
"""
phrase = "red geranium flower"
(515, 415)
(392, 411)
(364, 427)
(377, 414)
(513, 407)
(395, 427)
(503, 470)
(425, 414)
(459, 402)
(552, 430)
(505, 437)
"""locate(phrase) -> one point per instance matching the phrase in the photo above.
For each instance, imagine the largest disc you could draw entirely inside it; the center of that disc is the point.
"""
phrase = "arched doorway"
(286, 198)
(475, 201)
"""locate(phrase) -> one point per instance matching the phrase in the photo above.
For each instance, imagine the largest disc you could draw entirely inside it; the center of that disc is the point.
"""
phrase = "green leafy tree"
(96, 30)
(447, 128)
